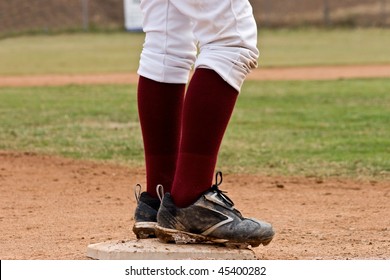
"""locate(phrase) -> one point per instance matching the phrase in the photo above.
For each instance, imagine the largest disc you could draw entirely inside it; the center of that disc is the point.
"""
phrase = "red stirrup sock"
(159, 108)
(208, 106)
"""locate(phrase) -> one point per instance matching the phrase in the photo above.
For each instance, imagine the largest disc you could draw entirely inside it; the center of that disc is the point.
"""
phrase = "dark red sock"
(159, 108)
(208, 106)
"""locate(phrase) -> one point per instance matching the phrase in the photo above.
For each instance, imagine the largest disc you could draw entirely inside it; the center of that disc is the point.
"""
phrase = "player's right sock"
(160, 108)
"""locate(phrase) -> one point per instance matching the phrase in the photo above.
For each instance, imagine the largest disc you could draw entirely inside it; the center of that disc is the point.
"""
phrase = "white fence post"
(85, 14)
(326, 12)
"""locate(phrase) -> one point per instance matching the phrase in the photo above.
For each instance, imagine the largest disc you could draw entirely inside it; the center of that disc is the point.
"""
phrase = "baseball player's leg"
(167, 57)
(160, 106)
(195, 211)
(227, 37)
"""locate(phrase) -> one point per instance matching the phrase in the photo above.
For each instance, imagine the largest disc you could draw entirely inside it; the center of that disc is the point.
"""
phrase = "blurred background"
(22, 16)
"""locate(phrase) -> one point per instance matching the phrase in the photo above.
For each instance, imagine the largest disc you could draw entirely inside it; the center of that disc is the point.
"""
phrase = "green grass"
(305, 47)
(70, 53)
(119, 52)
(89, 122)
(326, 128)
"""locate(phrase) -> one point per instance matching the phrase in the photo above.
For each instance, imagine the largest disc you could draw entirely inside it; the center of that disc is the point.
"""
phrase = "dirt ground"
(52, 207)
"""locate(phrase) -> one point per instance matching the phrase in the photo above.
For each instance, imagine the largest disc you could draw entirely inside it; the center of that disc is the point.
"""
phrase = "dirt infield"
(278, 73)
(52, 208)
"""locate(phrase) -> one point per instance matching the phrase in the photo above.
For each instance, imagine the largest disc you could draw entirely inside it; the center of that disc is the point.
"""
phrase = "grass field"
(119, 52)
(308, 128)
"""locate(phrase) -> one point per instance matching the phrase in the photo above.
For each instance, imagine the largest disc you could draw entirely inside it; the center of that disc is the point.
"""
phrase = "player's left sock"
(208, 106)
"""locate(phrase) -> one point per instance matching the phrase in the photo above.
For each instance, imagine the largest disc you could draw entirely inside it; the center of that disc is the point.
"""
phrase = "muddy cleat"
(145, 216)
(211, 219)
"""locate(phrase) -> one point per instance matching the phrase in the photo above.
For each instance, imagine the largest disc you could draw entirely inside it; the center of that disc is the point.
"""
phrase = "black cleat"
(211, 219)
(145, 216)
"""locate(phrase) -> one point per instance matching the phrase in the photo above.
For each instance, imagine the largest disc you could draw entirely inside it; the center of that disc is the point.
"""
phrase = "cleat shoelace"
(221, 194)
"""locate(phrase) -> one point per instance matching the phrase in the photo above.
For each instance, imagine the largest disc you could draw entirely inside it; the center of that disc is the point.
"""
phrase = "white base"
(152, 249)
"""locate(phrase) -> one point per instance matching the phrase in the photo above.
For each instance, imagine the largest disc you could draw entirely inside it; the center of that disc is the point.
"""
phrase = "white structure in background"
(133, 15)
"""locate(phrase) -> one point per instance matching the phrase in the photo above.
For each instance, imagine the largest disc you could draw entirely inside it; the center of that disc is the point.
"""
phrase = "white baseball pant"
(224, 31)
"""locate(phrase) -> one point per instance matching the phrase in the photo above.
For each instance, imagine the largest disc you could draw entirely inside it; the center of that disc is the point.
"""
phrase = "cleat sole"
(144, 230)
(166, 235)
